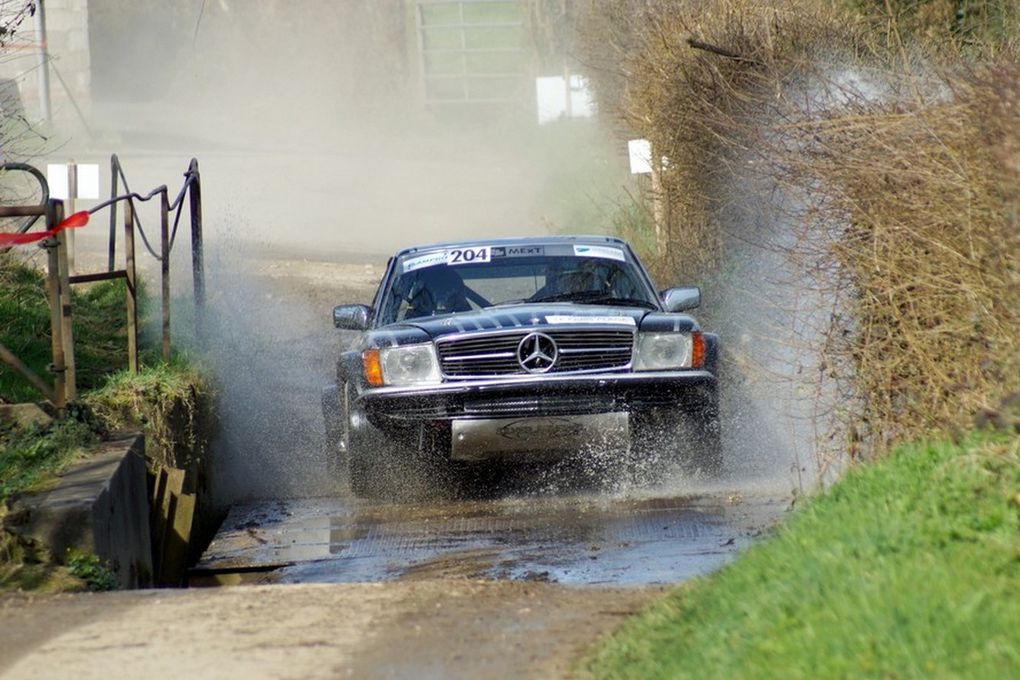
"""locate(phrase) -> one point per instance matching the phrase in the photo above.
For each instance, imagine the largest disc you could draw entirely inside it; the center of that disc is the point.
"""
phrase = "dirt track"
(423, 629)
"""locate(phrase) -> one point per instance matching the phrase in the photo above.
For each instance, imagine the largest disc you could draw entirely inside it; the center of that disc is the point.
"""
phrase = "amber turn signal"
(698, 350)
(372, 367)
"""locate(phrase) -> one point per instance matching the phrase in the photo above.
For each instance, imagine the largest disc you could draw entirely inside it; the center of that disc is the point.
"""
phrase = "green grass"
(99, 329)
(172, 403)
(31, 456)
(91, 570)
(907, 568)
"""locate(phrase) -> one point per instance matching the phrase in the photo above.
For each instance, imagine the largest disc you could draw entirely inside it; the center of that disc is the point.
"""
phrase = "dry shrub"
(657, 72)
(932, 253)
(906, 180)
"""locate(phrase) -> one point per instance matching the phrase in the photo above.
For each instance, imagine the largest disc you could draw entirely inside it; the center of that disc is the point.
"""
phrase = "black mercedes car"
(520, 351)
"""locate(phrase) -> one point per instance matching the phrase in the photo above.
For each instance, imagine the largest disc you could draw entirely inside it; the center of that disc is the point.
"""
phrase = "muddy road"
(290, 523)
(574, 540)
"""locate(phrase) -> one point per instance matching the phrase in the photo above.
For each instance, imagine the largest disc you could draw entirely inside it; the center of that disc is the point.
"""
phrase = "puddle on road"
(570, 540)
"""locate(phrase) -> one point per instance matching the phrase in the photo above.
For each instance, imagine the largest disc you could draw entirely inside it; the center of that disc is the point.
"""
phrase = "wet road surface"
(574, 539)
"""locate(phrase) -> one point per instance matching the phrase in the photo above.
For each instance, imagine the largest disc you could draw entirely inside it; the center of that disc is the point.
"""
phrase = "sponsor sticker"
(600, 251)
(469, 255)
(517, 251)
(608, 320)
(539, 428)
(426, 260)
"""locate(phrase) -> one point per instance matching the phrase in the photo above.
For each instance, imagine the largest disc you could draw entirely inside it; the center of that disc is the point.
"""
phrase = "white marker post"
(640, 153)
(69, 182)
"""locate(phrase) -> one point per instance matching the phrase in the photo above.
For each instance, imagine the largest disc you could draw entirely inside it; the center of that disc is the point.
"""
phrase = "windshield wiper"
(594, 297)
(625, 302)
(504, 303)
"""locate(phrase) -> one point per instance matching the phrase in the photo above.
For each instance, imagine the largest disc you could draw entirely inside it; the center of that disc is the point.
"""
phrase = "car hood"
(527, 317)
(530, 316)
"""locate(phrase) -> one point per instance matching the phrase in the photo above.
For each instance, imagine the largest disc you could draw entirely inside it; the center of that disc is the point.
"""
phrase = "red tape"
(79, 219)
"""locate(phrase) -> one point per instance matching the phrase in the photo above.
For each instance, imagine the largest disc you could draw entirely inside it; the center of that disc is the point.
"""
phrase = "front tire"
(666, 440)
(703, 434)
(377, 462)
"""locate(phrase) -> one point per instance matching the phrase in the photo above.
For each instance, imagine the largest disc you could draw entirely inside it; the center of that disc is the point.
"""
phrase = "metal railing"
(193, 191)
(59, 279)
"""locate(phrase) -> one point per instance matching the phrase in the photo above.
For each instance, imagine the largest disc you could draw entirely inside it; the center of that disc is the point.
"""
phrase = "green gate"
(473, 52)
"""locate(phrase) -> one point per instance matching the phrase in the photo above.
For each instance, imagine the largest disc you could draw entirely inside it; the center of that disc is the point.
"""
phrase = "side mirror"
(681, 299)
(352, 317)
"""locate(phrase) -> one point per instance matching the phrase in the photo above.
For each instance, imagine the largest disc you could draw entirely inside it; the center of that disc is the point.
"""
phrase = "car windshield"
(452, 280)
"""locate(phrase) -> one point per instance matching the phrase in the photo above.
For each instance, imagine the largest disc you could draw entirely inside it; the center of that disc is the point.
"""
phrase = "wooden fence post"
(66, 325)
(56, 320)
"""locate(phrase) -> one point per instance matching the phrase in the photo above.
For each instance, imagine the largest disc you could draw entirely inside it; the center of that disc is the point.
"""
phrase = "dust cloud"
(318, 160)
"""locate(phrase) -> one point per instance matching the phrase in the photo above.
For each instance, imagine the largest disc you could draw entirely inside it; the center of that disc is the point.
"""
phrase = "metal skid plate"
(537, 438)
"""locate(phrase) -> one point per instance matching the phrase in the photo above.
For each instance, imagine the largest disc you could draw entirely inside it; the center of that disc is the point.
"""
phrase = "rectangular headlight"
(409, 364)
(664, 351)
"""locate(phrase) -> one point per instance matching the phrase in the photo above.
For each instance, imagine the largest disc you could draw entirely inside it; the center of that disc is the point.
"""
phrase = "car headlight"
(405, 365)
(666, 351)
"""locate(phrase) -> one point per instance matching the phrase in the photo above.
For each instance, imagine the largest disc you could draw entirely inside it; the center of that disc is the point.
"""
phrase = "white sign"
(87, 185)
(88, 181)
(609, 320)
(640, 152)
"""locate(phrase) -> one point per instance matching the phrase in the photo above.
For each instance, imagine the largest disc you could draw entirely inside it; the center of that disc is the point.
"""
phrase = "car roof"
(520, 240)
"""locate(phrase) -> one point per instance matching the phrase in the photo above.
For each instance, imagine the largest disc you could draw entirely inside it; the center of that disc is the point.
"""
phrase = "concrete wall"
(99, 506)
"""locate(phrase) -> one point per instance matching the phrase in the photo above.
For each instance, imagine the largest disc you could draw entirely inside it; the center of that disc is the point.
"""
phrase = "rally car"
(521, 351)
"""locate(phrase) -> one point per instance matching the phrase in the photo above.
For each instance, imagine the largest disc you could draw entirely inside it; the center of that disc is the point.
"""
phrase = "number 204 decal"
(468, 255)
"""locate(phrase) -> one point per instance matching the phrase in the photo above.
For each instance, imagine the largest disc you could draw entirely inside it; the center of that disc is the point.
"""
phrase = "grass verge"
(906, 568)
(172, 403)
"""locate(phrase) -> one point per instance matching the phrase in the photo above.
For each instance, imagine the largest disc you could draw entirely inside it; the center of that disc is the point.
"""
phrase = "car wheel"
(377, 463)
(379, 470)
(703, 443)
(665, 441)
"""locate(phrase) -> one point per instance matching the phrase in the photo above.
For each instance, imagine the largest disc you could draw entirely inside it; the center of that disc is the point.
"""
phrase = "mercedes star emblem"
(537, 353)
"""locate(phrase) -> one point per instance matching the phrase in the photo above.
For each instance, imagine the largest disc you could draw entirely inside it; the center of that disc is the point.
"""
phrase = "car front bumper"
(549, 395)
(532, 418)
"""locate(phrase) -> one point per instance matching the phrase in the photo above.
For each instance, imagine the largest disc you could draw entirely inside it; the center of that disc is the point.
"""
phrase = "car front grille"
(495, 355)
